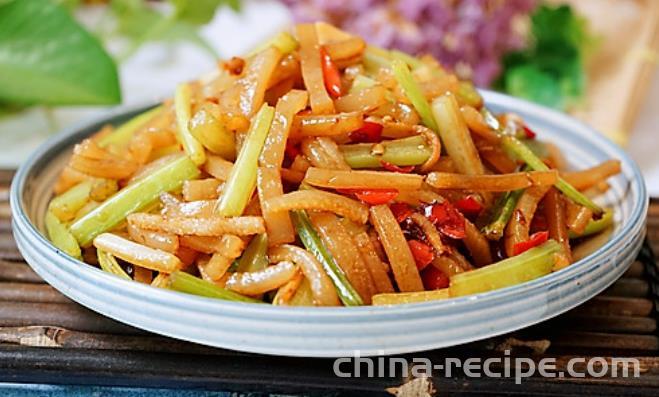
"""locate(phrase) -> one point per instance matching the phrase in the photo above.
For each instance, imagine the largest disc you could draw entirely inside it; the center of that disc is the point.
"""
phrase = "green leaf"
(68, 4)
(551, 71)
(527, 81)
(141, 23)
(46, 57)
(200, 12)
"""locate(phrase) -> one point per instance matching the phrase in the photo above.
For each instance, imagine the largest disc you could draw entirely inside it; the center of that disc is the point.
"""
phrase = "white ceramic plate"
(333, 332)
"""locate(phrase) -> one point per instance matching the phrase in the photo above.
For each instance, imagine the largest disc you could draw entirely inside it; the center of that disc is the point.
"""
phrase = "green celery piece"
(303, 296)
(184, 282)
(501, 215)
(596, 225)
(413, 62)
(255, 256)
(402, 152)
(468, 93)
(283, 41)
(376, 58)
(133, 198)
(242, 179)
(360, 82)
(109, 264)
(534, 263)
(87, 208)
(538, 147)
(183, 109)
(312, 242)
(413, 92)
(46, 57)
(60, 236)
(122, 135)
(521, 151)
(71, 201)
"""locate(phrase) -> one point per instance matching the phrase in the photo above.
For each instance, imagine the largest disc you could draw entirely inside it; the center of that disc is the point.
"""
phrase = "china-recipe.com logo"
(518, 368)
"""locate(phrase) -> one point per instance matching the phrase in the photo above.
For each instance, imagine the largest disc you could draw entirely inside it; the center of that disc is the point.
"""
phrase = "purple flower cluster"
(469, 36)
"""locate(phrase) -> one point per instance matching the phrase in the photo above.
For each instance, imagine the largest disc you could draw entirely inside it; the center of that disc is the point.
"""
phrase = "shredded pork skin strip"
(209, 226)
(324, 293)
(320, 201)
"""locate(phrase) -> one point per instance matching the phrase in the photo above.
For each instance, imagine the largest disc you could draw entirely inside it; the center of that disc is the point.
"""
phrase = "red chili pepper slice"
(395, 168)
(529, 132)
(401, 211)
(533, 241)
(372, 196)
(448, 220)
(469, 206)
(422, 253)
(331, 74)
(434, 278)
(370, 132)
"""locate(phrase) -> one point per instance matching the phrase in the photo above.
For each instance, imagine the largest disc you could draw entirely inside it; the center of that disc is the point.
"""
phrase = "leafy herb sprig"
(551, 70)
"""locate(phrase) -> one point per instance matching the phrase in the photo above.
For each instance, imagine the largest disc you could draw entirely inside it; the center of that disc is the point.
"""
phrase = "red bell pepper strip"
(469, 206)
(434, 278)
(395, 168)
(535, 240)
(370, 132)
(372, 196)
(448, 220)
(331, 74)
(401, 211)
(422, 253)
(529, 132)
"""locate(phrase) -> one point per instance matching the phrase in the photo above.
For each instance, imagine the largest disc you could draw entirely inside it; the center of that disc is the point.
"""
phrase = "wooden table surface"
(46, 338)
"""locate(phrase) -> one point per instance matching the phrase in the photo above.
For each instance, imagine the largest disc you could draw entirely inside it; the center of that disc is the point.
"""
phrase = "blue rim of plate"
(635, 222)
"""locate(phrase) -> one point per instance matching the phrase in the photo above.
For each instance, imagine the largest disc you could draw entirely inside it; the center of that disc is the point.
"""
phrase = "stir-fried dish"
(321, 171)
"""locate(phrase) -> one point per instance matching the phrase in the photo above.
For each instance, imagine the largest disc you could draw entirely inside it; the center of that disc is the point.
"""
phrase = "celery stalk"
(312, 242)
(66, 205)
(405, 151)
(182, 106)
(469, 95)
(211, 133)
(503, 210)
(413, 62)
(520, 150)
(255, 256)
(184, 282)
(242, 179)
(283, 41)
(400, 298)
(303, 296)
(596, 225)
(125, 132)
(413, 92)
(133, 198)
(360, 82)
(376, 58)
(109, 264)
(61, 237)
(527, 266)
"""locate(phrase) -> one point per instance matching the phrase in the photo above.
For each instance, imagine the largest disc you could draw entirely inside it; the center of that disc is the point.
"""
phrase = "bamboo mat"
(46, 338)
